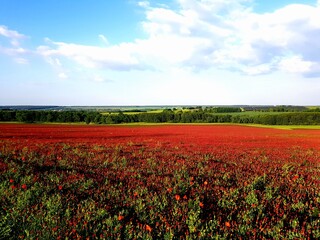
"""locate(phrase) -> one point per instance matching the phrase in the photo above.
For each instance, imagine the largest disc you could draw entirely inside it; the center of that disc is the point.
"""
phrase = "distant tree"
(76, 117)
(87, 119)
(108, 119)
(25, 116)
(49, 117)
(98, 118)
(6, 115)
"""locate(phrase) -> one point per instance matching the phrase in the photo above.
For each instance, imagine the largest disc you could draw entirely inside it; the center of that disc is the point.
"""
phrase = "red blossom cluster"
(202, 182)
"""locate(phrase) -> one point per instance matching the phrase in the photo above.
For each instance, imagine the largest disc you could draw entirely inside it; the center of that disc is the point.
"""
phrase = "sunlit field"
(159, 182)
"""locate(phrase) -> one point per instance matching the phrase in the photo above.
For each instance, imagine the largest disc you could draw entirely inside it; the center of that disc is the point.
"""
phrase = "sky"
(178, 52)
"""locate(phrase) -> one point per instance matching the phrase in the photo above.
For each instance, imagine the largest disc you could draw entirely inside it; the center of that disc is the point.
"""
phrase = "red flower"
(24, 186)
(201, 204)
(295, 177)
(227, 224)
(60, 187)
(120, 217)
(177, 197)
(148, 228)
(11, 180)
(13, 187)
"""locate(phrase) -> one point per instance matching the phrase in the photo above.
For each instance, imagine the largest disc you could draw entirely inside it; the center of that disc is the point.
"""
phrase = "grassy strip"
(141, 124)
(285, 127)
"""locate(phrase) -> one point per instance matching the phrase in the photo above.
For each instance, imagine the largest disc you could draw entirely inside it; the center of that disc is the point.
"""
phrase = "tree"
(25, 116)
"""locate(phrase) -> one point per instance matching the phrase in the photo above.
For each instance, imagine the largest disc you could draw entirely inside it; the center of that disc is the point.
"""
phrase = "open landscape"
(169, 119)
(158, 182)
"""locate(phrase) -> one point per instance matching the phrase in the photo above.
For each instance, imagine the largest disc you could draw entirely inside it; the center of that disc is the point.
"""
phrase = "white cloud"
(296, 64)
(63, 76)
(13, 49)
(21, 60)
(117, 57)
(14, 38)
(234, 37)
(267, 38)
(144, 4)
(55, 62)
(11, 34)
(209, 34)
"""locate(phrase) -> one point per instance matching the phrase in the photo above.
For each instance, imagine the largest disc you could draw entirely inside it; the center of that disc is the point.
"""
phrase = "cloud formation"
(117, 57)
(204, 34)
(14, 36)
(231, 35)
(13, 49)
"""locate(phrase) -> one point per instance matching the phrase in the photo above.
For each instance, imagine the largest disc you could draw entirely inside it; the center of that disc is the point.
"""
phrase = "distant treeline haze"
(198, 115)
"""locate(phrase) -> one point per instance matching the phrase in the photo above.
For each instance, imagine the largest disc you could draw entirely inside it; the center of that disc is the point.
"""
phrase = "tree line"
(166, 116)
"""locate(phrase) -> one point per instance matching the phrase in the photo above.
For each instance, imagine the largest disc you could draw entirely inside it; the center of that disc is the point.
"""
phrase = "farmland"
(158, 182)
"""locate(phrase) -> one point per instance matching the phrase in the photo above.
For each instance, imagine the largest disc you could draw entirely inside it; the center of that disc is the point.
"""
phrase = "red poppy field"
(158, 182)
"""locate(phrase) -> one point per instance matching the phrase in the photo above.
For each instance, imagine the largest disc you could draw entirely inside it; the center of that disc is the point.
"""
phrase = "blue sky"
(131, 52)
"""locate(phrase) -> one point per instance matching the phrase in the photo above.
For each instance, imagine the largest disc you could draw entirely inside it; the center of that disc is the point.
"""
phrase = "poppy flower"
(148, 228)
(11, 180)
(295, 177)
(177, 197)
(24, 186)
(227, 224)
(120, 217)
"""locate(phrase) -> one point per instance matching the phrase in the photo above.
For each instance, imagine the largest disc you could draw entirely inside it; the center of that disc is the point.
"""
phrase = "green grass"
(133, 112)
(285, 127)
(312, 107)
(10, 122)
(248, 113)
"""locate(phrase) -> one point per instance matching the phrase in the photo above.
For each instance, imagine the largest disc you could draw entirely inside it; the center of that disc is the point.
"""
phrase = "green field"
(283, 127)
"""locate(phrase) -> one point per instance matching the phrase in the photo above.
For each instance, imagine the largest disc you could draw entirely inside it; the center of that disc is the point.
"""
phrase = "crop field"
(158, 182)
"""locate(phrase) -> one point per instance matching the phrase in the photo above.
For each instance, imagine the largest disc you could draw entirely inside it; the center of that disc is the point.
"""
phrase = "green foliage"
(131, 192)
(276, 116)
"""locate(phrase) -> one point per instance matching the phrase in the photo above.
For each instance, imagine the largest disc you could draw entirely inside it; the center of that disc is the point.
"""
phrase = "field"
(159, 182)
